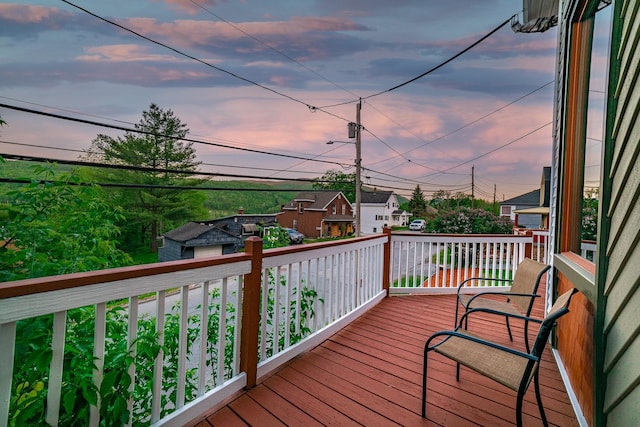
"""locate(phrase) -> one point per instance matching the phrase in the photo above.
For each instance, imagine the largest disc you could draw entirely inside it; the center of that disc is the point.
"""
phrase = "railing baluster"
(265, 303)
(98, 356)
(287, 308)
(156, 401)
(276, 312)
(204, 334)
(8, 344)
(132, 346)
(238, 326)
(54, 390)
(222, 331)
(182, 345)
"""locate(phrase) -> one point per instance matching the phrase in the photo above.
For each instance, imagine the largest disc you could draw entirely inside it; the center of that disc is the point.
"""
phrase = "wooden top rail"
(74, 280)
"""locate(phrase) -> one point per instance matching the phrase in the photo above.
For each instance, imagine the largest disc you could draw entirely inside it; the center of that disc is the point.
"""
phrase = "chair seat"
(489, 303)
(499, 365)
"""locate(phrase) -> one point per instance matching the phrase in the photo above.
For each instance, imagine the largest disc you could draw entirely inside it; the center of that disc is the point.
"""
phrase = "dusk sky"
(244, 74)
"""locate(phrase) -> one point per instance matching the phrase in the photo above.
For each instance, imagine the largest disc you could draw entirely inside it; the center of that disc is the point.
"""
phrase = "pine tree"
(417, 204)
(156, 146)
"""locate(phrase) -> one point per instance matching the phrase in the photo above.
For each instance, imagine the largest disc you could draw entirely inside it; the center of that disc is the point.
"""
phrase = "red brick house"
(318, 214)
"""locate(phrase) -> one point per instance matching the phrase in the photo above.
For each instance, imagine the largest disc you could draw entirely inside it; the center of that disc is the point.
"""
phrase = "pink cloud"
(122, 53)
(188, 6)
(29, 14)
(205, 32)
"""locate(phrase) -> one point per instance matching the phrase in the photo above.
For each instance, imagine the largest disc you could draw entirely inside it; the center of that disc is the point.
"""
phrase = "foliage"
(338, 181)
(445, 200)
(469, 221)
(298, 319)
(417, 203)
(589, 230)
(33, 358)
(274, 237)
(158, 149)
(54, 227)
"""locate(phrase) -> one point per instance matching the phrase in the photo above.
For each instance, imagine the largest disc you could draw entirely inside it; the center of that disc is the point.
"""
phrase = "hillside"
(227, 199)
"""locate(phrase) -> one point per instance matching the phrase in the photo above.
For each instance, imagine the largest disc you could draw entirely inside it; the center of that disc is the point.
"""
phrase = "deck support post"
(251, 312)
(386, 260)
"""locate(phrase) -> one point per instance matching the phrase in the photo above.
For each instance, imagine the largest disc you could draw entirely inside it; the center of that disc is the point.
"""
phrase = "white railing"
(433, 263)
(164, 341)
(314, 293)
(166, 326)
(540, 246)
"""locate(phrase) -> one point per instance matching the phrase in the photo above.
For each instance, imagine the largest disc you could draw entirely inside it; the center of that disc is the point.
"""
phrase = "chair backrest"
(526, 281)
(560, 308)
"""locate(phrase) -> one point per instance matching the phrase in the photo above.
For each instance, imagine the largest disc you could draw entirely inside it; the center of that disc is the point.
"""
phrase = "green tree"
(55, 227)
(589, 229)
(167, 161)
(417, 204)
(338, 181)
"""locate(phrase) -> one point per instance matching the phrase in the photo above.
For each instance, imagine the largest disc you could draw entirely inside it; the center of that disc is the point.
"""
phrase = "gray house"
(197, 239)
(530, 210)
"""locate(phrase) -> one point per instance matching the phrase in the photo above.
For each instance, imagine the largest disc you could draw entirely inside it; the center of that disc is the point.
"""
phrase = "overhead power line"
(267, 45)
(147, 186)
(147, 169)
(429, 71)
(126, 129)
(201, 61)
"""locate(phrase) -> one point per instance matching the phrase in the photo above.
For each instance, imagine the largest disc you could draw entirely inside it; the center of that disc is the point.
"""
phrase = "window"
(300, 208)
(344, 209)
(333, 209)
(505, 210)
(295, 224)
(584, 133)
(379, 218)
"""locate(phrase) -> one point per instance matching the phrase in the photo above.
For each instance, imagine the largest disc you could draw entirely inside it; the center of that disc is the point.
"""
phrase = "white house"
(379, 209)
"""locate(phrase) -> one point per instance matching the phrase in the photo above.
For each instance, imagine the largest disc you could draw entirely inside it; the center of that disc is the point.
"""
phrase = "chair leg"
(424, 383)
(509, 328)
(455, 325)
(536, 383)
(526, 335)
(457, 372)
(519, 408)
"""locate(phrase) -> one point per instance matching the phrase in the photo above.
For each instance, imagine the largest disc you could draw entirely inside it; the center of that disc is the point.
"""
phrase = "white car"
(417, 225)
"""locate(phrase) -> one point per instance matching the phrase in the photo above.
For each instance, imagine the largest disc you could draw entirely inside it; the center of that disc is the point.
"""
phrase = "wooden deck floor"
(370, 374)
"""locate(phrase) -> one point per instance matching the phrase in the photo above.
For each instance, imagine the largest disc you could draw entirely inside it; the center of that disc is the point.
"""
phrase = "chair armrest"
(501, 313)
(461, 285)
(506, 294)
(478, 340)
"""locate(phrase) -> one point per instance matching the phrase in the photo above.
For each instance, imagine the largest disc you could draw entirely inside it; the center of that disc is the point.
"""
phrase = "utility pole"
(494, 200)
(358, 165)
(473, 186)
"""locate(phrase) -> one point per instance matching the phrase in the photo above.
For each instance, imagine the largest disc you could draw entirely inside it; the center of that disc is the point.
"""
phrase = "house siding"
(621, 294)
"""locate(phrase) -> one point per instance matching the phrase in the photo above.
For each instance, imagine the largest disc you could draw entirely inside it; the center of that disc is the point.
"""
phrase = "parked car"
(417, 225)
(294, 235)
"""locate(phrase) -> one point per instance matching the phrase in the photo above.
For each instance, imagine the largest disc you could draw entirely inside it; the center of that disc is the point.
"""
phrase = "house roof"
(191, 230)
(375, 196)
(539, 210)
(319, 199)
(531, 198)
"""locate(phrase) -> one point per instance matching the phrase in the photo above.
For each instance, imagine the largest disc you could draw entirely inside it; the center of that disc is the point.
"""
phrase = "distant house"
(221, 236)
(530, 210)
(318, 214)
(380, 209)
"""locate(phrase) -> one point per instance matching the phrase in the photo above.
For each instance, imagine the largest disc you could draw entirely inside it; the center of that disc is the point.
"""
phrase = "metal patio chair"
(510, 367)
(518, 300)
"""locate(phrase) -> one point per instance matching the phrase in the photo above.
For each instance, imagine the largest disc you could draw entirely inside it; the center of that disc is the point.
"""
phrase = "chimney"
(240, 211)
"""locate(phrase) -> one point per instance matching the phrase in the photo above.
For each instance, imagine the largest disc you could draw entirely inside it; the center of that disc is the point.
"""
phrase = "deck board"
(370, 373)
